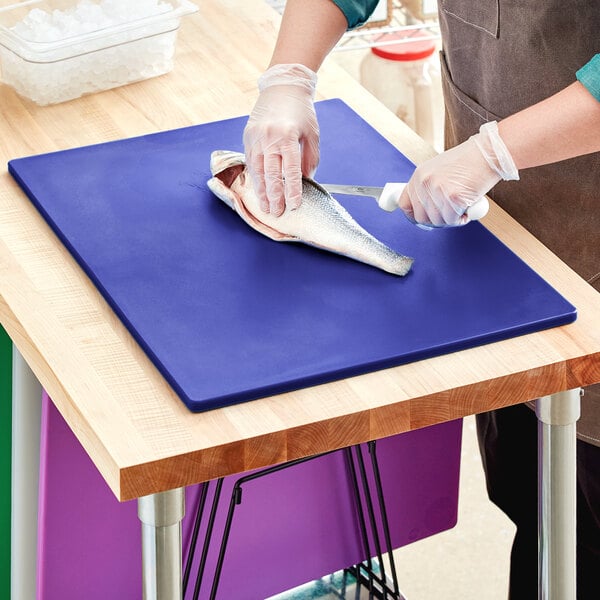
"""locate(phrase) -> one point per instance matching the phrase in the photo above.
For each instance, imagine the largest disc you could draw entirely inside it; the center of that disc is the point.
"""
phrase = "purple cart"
(296, 523)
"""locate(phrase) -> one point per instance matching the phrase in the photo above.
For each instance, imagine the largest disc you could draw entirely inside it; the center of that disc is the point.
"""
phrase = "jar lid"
(404, 50)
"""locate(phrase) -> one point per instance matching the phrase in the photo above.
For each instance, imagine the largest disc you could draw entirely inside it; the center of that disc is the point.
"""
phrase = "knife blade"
(386, 197)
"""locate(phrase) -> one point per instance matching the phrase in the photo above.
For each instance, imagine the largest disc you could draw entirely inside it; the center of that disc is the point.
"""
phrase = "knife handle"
(391, 192)
(478, 210)
(388, 199)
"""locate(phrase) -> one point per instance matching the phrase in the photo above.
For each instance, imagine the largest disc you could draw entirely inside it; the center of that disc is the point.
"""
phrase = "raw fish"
(320, 220)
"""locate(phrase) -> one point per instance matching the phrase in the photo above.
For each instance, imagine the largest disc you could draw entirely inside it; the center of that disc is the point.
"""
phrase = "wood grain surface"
(138, 433)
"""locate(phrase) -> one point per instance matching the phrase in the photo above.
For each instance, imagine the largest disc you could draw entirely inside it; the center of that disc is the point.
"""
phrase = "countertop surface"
(134, 427)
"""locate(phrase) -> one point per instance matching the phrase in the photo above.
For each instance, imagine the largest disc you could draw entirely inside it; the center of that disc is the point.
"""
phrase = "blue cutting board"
(228, 315)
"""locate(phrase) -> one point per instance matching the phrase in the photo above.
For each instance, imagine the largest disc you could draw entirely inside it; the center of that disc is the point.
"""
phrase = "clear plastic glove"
(281, 138)
(444, 187)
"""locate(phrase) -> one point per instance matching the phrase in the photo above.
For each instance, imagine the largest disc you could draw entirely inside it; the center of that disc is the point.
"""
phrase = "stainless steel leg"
(26, 419)
(161, 516)
(557, 415)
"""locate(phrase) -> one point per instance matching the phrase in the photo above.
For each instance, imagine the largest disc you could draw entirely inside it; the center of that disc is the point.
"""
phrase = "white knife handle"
(478, 210)
(388, 200)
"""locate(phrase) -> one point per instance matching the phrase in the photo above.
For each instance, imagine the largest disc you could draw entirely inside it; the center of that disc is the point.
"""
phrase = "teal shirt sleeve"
(356, 11)
(589, 76)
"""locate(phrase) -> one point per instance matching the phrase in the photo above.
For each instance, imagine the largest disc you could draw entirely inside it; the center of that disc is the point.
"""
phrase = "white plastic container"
(56, 50)
(404, 74)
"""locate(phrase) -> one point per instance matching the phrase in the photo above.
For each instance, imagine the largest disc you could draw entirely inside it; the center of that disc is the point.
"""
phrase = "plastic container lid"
(96, 38)
(404, 50)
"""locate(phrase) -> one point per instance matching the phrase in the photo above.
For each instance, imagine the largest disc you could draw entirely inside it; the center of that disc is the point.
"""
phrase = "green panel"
(5, 445)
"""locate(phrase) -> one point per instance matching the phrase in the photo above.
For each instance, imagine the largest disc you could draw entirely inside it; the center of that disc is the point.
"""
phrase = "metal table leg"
(25, 469)
(557, 415)
(161, 515)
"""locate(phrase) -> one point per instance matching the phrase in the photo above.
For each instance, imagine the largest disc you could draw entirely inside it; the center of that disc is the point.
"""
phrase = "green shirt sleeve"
(356, 11)
(589, 76)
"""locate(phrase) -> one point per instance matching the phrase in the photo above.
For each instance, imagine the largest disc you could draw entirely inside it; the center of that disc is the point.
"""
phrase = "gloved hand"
(444, 187)
(281, 138)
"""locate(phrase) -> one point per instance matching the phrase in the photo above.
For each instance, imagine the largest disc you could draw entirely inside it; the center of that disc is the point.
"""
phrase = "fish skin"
(320, 220)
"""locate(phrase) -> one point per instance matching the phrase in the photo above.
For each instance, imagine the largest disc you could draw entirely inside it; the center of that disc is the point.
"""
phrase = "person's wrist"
(495, 152)
(289, 74)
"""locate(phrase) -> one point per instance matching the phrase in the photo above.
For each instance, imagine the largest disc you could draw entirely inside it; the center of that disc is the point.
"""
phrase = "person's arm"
(563, 126)
(281, 139)
(309, 30)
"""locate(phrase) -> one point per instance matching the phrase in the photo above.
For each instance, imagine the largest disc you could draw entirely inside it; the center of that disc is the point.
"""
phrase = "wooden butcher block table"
(140, 435)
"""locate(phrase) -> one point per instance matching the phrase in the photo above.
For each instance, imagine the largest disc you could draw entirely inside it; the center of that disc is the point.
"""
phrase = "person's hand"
(444, 187)
(281, 138)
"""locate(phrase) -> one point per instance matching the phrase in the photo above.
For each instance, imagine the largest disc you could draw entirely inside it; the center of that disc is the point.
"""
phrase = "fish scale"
(320, 220)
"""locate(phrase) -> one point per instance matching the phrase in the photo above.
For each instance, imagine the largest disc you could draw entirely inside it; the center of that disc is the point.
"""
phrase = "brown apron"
(498, 57)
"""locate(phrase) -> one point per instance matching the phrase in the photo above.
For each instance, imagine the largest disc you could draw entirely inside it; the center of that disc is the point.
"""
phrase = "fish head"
(232, 184)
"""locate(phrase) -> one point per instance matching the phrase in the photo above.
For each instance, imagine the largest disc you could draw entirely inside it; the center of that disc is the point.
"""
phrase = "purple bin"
(293, 525)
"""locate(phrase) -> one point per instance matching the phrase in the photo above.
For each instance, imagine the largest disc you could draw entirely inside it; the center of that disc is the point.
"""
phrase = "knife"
(386, 197)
